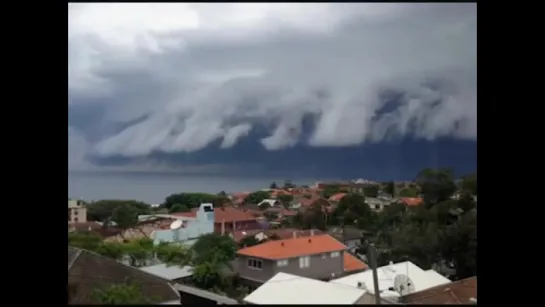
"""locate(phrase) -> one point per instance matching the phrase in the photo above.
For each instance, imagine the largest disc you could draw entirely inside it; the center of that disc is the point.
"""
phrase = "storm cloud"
(163, 79)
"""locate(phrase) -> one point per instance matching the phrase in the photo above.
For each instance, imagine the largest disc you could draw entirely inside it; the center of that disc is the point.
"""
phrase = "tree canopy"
(256, 197)
(371, 190)
(285, 198)
(331, 190)
(442, 231)
(436, 185)
(120, 294)
(103, 209)
(191, 200)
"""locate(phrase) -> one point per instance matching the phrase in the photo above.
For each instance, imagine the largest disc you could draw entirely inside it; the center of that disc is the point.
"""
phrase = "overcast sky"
(149, 81)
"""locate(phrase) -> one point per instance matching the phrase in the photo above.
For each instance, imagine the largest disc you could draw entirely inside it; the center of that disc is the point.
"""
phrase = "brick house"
(228, 219)
(318, 257)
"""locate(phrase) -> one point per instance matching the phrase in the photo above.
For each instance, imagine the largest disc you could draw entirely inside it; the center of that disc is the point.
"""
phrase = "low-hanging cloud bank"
(190, 75)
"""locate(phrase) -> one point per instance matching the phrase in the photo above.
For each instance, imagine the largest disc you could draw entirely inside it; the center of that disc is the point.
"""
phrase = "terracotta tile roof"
(227, 214)
(287, 233)
(337, 197)
(282, 211)
(351, 263)
(412, 201)
(294, 247)
(306, 202)
(240, 194)
(458, 292)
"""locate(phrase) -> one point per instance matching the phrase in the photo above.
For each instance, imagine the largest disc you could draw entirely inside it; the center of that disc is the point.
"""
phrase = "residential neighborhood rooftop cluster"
(280, 245)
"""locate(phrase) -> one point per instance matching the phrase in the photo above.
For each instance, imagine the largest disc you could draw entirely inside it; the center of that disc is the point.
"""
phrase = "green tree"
(285, 198)
(139, 251)
(273, 185)
(248, 241)
(313, 217)
(256, 197)
(125, 216)
(469, 184)
(192, 200)
(214, 247)
(436, 185)
(212, 255)
(103, 209)
(352, 208)
(220, 202)
(173, 253)
(331, 190)
(389, 188)
(118, 294)
(85, 240)
(179, 208)
(371, 190)
(408, 192)
(114, 250)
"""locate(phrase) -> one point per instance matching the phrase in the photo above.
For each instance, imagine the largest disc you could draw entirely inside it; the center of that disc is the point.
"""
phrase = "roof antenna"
(174, 227)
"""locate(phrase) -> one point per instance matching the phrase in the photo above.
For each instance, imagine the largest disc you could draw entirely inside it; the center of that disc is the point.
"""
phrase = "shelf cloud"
(178, 78)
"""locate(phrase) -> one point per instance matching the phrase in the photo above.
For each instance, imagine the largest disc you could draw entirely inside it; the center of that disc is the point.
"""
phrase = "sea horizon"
(153, 188)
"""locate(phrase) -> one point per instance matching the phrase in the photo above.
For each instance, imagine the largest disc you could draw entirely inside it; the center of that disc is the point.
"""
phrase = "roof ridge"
(80, 250)
(75, 257)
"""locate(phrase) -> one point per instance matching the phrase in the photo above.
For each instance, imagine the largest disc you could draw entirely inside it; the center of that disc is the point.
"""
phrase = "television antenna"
(174, 226)
(403, 285)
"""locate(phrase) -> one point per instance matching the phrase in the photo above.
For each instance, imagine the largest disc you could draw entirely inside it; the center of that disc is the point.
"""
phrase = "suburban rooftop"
(294, 247)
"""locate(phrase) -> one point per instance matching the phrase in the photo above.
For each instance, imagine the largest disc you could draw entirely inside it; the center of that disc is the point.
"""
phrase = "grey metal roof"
(168, 272)
(205, 294)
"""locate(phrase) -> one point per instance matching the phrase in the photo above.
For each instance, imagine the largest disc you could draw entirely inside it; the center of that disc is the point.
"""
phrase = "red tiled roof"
(412, 201)
(227, 214)
(305, 202)
(458, 292)
(282, 211)
(337, 197)
(352, 263)
(294, 247)
(287, 233)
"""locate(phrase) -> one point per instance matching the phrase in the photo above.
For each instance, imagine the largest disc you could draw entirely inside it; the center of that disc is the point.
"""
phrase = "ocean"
(153, 188)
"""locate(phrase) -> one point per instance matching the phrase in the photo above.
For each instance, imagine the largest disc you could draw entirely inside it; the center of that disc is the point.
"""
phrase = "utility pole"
(372, 257)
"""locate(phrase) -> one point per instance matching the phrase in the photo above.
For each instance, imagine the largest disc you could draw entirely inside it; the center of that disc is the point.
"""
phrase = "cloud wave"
(190, 75)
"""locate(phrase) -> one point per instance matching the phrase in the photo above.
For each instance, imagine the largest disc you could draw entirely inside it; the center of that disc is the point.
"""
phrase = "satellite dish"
(403, 284)
(176, 224)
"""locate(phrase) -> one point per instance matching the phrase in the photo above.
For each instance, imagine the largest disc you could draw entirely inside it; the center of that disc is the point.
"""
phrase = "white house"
(420, 279)
(284, 289)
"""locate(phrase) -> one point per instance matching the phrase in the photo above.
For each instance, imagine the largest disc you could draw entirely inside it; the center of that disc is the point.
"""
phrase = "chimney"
(222, 227)
(311, 232)
(295, 234)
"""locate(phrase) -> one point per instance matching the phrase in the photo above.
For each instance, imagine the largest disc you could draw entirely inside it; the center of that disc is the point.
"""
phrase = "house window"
(282, 263)
(304, 262)
(75, 219)
(335, 254)
(75, 212)
(377, 207)
(255, 264)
